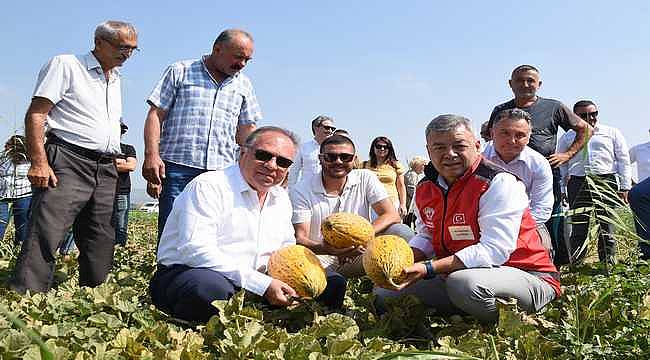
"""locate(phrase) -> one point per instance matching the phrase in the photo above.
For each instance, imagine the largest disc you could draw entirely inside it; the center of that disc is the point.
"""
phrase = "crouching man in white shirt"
(339, 188)
(510, 135)
(222, 230)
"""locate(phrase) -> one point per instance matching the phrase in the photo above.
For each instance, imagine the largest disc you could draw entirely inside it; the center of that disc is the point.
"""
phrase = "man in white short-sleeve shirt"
(73, 175)
(339, 188)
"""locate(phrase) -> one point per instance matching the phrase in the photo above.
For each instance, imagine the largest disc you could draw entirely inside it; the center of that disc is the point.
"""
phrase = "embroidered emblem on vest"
(428, 213)
(459, 219)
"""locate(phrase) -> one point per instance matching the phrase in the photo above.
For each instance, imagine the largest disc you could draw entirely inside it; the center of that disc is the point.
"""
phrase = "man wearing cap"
(307, 163)
(125, 163)
(200, 111)
(73, 175)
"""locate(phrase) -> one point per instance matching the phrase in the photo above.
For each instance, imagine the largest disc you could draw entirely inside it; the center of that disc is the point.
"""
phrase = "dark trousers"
(556, 223)
(581, 195)
(187, 293)
(639, 198)
(84, 196)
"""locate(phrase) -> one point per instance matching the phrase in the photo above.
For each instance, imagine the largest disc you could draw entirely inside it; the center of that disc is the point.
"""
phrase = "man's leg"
(334, 292)
(556, 223)
(94, 231)
(475, 291)
(639, 198)
(4, 218)
(431, 292)
(187, 293)
(21, 218)
(121, 218)
(176, 178)
(606, 240)
(53, 211)
(579, 197)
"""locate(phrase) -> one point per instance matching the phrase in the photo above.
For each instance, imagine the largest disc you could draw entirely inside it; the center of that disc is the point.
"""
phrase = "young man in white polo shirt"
(73, 175)
(339, 188)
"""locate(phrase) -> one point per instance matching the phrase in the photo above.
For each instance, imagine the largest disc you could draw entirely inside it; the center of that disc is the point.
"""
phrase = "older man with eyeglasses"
(604, 158)
(340, 188)
(73, 174)
(223, 228)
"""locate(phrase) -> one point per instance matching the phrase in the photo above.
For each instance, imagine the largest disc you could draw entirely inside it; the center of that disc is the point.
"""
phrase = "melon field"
(603, 313)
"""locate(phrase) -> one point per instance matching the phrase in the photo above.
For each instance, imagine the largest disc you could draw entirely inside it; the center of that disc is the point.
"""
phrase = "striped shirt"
(13, 179)
(202, 114)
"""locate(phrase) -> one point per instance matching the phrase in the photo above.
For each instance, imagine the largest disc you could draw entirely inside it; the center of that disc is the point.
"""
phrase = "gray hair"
(512, 114)
(228, 35)
(447, 122)
(252, 138)
(318, 120)
(417, 160)
(109, 30)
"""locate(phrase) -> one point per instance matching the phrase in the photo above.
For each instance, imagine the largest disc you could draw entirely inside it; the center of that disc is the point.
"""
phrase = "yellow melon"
(342, 230)
(299, 267)
(385, 258)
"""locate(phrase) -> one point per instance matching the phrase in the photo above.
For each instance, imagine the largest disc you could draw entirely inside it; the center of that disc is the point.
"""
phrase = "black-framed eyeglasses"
(265, 156)
(588, 115)
(381, 147)
(123, 48)
(328, 127)
(332, 157)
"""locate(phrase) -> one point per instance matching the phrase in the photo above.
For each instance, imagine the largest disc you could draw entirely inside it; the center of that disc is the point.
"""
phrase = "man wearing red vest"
(477, 240)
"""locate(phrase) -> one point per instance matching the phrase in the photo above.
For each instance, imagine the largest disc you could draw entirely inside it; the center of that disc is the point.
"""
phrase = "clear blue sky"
(379, 68)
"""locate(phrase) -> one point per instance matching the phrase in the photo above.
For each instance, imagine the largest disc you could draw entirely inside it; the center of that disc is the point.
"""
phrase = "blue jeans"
(121, 217)
(176, 178)
(20, 210)
(639, 198)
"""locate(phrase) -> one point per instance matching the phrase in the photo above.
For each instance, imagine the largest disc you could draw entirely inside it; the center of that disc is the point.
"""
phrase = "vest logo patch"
(458, 219)
(428, 213)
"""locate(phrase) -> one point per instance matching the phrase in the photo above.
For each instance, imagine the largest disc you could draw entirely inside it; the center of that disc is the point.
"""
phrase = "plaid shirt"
(202, 115)
(13, 179)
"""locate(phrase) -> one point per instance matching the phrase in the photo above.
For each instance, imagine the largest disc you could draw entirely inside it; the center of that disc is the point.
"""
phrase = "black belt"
(93, 155)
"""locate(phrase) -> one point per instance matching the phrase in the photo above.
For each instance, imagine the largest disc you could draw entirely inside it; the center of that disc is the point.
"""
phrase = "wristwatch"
(431, 273)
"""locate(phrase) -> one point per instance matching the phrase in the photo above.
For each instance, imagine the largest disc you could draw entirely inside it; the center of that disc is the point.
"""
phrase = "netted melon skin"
(342, 230)
(385, 258)
(299, 267)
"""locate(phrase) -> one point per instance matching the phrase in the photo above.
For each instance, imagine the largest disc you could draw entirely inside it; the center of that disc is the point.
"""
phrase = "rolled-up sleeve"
(541, 193)
(501, 209)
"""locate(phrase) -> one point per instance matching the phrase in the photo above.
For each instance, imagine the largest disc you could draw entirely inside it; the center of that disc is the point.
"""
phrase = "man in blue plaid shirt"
(200, 111)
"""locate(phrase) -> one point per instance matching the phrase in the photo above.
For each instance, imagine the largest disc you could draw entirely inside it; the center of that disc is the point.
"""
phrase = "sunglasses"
(381, 147)
(588, 115)
(332, 157)
(328, 127)
(265, 156)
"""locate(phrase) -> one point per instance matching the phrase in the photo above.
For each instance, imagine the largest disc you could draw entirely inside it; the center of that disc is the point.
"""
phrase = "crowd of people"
(483, 219)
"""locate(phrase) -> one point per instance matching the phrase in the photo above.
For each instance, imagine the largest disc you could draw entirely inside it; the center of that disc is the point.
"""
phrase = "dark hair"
(319, 120)
(512, 114)
(17, 151)
(583, 103)
(337, 140)
(391, 159)
(524, 67)
(227, 36)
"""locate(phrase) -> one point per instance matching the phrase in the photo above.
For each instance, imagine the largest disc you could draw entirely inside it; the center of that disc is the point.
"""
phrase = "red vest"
(458, 208)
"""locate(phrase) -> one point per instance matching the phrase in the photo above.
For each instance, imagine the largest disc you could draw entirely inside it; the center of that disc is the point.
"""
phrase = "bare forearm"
(152, 132)
(582, 134)
(315, 246)
(242, 133)
(35, 132)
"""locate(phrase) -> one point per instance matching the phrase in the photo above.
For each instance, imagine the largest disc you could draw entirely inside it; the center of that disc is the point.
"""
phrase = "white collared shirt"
(217, 223)
(640, 154)
(606, 153)
(500, 210)
(87, 109)
(307, 163)
(534, 170)
(312, 204)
